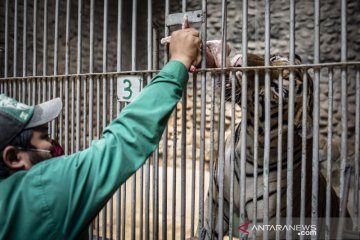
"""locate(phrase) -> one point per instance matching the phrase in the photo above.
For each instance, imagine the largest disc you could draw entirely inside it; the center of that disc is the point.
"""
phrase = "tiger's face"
(279, 88)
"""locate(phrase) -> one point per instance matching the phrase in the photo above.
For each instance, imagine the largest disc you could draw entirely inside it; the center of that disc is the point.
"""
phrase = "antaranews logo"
(244, 228)
(301, 230)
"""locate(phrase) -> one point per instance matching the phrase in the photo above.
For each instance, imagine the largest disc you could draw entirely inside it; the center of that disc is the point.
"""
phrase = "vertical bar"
(344, 118)
(133, 35)
(147, 197)
(98, 86)
(164, 184)
(133, 67)
(56, 58)
(279, 155)
(212, 127)
(303, 149)
(202, 119)
(78, 88)
(290, 134)
(256, 146)
(19, 92)
(220, 223)
(267, 118)
(35, 55)
(165, 141)
(104, 101)
(15, 38)
(141, 202)
(56, 38)
(33, 100)
(202, 151)
(73, 120)
(111, 116)
(183, 164)
(193, 167)
(28, 93)
(232, 155)
(316, 115)
(67, 67)
(6, 42)
(123, 211)
(34, 39)
(13, 85)
(340, 227)
(357, 154)
(155, 163)
(118, 69)
(166, 59)
(25, 39)
(173, 230)
(85, 113)
(45, 39)
(329, 155)
(183, 154)
(244, 86)
(147, 166)
(23, 95)
(156, 195)
(91, 88)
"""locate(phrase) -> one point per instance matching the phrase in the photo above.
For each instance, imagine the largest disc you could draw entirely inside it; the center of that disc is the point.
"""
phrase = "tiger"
(211, 232)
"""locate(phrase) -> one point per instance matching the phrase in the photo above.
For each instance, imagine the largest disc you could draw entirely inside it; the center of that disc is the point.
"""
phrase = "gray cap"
(16, 116)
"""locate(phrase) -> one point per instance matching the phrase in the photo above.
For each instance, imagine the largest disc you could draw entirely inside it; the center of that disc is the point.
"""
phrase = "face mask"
(56, 150)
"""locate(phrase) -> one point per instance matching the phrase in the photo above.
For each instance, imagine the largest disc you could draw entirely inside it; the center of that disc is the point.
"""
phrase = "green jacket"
(58, 198)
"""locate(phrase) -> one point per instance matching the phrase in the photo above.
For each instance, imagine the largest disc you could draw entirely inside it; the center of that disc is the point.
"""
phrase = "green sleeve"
(77, 186)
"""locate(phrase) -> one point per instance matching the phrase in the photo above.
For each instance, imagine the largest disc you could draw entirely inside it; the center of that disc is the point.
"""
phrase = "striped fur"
(276, 91)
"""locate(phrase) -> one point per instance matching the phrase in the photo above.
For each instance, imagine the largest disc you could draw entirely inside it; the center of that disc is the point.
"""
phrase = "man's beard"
(37, 157)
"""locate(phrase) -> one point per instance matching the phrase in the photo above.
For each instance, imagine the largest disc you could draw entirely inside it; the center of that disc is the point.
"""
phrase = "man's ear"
(16, 160)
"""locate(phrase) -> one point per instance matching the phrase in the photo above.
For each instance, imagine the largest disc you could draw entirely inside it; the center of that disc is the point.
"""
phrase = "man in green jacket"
(58, 198)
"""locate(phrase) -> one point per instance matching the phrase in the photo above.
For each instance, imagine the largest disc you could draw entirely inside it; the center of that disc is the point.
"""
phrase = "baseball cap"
(16, 116)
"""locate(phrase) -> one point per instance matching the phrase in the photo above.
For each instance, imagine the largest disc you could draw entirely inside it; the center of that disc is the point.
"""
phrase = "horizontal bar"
(201, 70)
(177, 18)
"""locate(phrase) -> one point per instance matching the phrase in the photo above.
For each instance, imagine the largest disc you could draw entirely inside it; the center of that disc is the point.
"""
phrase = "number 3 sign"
(128, 88)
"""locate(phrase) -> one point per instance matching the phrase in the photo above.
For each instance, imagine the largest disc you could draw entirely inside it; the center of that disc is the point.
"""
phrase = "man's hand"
(185, 47)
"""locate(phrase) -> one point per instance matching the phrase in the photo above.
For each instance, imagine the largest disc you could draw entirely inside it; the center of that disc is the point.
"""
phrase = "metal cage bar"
(267, 118)
(344, 100)
(329, 155)
(279, 156)
(232, 155)
(316, 116)
(290, 133)
(104, 100)
(193, 166)
(24, 50)
(6, 40)
(212, 144)
(220, 223)
(244, 102)
(357, 152)
(15, 39)
(202, 119)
